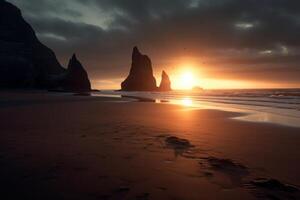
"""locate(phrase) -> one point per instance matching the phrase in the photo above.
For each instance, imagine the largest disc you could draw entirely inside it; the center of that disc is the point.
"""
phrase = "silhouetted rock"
(165, 84)
(141, 76)
(25, 62)
(76, 78)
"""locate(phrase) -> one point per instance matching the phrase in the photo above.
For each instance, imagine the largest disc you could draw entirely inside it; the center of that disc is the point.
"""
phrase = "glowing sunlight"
(187, 102)
(187, 80)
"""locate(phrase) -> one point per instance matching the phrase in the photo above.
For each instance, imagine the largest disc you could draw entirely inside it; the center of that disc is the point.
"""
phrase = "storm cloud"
(240, 39)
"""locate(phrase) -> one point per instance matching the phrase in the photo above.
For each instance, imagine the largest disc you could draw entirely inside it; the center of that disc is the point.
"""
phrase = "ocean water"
(279, 106)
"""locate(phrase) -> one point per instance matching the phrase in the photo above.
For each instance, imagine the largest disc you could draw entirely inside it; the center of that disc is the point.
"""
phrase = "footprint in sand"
(273, 189)
(262, 188)
(231, 174)
(179, 145)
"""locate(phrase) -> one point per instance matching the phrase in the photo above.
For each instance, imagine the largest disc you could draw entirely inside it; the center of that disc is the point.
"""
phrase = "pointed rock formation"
(76, 78)
(25, 62)
(165, 84)
(141, 76)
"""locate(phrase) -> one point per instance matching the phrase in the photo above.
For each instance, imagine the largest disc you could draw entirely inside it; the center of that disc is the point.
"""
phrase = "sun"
(187, 80)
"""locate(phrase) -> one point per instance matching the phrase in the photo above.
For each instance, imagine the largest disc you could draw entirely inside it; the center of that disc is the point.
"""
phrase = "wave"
(270, 103)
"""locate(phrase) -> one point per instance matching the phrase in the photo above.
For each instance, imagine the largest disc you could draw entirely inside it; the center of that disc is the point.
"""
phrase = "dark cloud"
(246, 35)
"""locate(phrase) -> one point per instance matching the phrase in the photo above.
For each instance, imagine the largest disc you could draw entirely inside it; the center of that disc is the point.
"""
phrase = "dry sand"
(54, 146)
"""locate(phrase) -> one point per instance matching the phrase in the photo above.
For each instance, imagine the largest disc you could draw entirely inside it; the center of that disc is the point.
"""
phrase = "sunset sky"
(220, 43)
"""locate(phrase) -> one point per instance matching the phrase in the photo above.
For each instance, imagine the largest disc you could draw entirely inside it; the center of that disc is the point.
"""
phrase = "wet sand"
(54, 146)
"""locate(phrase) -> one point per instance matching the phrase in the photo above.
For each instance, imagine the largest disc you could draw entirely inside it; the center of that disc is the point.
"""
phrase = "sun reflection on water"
(187, 102)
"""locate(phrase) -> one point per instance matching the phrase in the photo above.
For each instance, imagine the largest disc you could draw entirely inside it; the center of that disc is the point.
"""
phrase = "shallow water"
(279, 106)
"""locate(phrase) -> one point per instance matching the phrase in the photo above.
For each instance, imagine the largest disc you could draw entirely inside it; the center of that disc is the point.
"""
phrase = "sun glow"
(187, 80)
(187, 102)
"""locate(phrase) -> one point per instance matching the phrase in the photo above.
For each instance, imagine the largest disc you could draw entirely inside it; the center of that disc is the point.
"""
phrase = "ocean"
(278, 106)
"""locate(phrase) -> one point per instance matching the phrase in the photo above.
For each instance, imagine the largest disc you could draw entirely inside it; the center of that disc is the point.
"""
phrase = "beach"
(55, 146)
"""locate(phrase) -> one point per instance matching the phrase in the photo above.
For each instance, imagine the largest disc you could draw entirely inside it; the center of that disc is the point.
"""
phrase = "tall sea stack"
(76, 78)
(165, 84)
(141, 76)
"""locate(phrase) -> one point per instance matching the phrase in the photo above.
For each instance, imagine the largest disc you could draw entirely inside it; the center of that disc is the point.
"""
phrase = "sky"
(222, 43)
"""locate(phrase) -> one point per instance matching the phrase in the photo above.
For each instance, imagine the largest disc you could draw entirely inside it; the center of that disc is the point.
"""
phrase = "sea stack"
(141, 76)
(76, 78)
(25, 62)
(165, 84)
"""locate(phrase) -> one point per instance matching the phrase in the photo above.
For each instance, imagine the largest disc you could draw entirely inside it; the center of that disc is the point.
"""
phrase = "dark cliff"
(24, 61)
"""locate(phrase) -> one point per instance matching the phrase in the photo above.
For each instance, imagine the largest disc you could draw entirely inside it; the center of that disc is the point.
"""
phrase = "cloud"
(246, 35)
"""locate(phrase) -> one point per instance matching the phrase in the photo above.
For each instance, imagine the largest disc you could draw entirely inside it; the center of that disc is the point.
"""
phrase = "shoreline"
(249, 113)
(246, 114)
